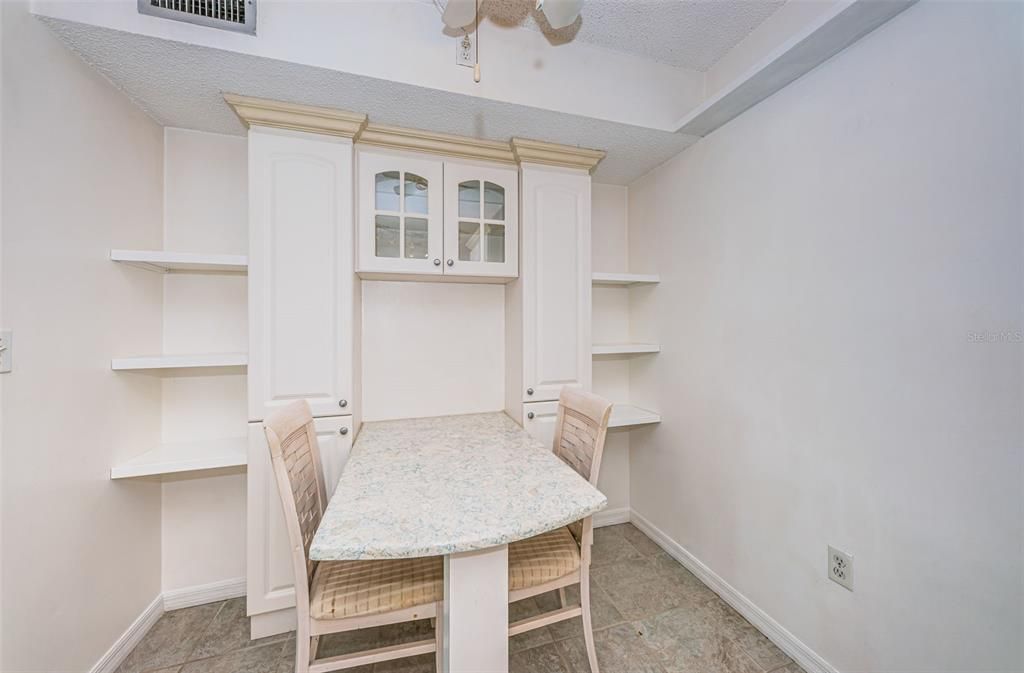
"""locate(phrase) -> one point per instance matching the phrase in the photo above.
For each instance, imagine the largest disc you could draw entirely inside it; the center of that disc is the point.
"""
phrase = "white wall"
(610, 323)
(205, 210)
(82, 174)
(825, 259)
(432, 349)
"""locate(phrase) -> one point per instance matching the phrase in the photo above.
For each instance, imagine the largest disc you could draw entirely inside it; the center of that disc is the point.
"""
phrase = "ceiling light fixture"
(560, 13)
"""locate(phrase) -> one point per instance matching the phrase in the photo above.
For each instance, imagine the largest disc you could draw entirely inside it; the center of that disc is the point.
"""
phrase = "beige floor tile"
(643, 544)
(544, 659)
(612, 547)
(705, 655)
(262, 659)
(768, 656)
(423, 663)
(171, 640)
(620, 649)
(229, 631)
(525, 609)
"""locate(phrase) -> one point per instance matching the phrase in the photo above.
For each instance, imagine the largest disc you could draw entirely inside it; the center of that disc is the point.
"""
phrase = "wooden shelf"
(625, 349)
(163, 261)
(185, 457)
(625, 279)
(170, 364)
(628, 416)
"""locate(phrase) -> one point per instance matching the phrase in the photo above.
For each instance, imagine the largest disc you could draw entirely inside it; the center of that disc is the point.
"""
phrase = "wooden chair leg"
(302, 643)
(588, 629)
(439, 637)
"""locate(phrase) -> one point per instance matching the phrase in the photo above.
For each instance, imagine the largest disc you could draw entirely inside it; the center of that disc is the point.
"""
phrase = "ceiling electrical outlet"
(465, 50)
(840, 567)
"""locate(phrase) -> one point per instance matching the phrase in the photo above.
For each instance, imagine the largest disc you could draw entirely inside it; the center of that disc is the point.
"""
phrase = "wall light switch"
(6, 351)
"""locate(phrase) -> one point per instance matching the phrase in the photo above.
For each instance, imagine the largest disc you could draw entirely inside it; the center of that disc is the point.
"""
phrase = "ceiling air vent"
(237, 15)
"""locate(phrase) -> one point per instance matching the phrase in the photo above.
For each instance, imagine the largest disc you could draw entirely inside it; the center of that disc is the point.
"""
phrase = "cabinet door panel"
(400, 209)
(481, 221)
(270, 576)
(556, 282)
(300, 272)
(539, 421)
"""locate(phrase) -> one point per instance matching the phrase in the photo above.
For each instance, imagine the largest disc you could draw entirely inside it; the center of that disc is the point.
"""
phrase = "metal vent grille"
(237, 15)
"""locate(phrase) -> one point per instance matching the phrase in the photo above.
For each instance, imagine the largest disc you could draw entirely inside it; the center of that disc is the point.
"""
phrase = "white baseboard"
(803, 655)
(168, 600)
(109, 662)
(610, 517)
(201, 594)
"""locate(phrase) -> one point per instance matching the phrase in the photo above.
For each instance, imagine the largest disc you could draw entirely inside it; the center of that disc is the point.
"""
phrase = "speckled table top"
(435, 486)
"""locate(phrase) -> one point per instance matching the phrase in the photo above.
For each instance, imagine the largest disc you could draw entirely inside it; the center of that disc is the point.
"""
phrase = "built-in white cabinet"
(428, 217)
(400, 214)
(269, 575)
(300, 271)
(556, 281)
(539, 420)
(481, 220)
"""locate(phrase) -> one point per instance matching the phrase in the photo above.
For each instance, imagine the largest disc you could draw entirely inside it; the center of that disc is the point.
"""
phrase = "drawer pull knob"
(529, 391)
(342, 403)
(343, 431)
(437, 262)
(530, 415)
(451, 262)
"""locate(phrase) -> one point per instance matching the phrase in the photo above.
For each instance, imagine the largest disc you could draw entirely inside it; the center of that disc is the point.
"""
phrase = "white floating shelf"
(164, 262)
(626, 279)
(185, 457)
(628, 416)
(625, 349)
(156, 364)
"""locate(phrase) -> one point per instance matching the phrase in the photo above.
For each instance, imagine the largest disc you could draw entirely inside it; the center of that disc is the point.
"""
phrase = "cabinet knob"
(530, 415)
(529, 391)
(343, 431)
(437, 262)
(342, 403)
(451, 262)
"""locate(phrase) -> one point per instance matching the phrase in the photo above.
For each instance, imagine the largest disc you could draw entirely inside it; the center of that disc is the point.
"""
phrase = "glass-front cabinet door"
(400, 214)
(481, 221)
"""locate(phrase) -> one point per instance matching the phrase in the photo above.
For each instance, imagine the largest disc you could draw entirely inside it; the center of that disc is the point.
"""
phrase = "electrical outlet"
(840, 567)
(465, 50)
(6, 351)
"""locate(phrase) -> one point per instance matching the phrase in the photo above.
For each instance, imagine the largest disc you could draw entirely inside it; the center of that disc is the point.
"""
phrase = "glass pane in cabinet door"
(469, 241)
(415, 238)
(469, 198)
(415, 194)
(495, 250)
(386, 230)
(386, 190)
(494, 201)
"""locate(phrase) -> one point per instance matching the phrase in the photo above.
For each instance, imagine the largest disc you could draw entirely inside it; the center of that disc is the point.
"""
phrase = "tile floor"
(650, 616)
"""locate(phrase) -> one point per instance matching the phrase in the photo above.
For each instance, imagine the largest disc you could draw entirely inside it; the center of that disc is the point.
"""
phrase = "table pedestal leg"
(476, 611)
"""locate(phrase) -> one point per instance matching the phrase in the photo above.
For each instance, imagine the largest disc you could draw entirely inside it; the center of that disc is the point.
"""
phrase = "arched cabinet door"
(481, 221)
(400, 214)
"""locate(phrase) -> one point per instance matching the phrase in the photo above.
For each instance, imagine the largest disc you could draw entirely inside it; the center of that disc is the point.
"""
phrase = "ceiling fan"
(559, 13)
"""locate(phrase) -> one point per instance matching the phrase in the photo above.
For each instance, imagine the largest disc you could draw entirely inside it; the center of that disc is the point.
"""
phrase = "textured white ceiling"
(181, 85)
(685, 33)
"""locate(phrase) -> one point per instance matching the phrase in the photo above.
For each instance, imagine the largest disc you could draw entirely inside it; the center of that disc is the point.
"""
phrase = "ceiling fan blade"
(560, 13)
(459, 13)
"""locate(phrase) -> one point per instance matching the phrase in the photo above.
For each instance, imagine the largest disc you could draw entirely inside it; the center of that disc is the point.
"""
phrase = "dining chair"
(338, 596)
(560, 558)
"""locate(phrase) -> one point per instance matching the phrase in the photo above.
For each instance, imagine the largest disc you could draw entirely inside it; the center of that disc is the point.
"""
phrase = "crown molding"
(296, 117)
(437, 143)
(330, 121)
(540, 152)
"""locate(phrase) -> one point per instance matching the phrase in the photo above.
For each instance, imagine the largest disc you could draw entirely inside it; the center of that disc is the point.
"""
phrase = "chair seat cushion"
(542, 558)
(356, 588)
